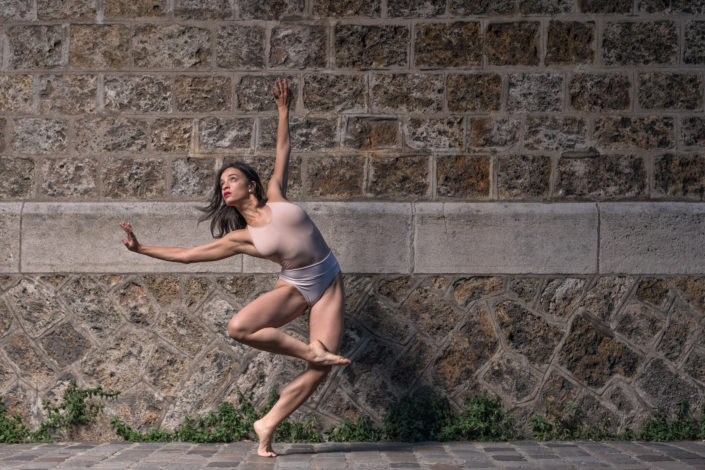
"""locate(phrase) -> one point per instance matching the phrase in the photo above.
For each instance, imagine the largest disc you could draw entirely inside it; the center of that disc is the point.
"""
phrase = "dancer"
(270, 227)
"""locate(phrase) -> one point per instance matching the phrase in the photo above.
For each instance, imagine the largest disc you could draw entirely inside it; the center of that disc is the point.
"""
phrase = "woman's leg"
(326, 328)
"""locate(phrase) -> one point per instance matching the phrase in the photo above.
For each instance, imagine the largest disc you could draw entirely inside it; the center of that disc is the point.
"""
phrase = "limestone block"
(170, 46)
(299, 47)
(111, 134)
(481, 7)
(554, 133)
(693, 131)
(416, 8)
(511, 378)
(100, 46)
(372, 133)
(249, 52)
(443, 45)
(33, 367)
(16, 10)
(254, 92)
(641, 132)
(679, 177)
(172, 135)
(535, 92)
(10, 237)
(570, 42)
(36, 135)
(64, 344)
(513, 43)
(440, 134)
(474, 92)
(140, 94)
(85, 237)
(666, 388)
(35, 46)
(134, 8)
(18, 180)
(370, 46)
(694, 49)
(602, 177)
(134, 178)
(545, 7)
(411, 93)
(463, 177)
(329, 92)
(641, 238)
(74, 10)
(306, 133)
(641, 43)
(488, 238)
(682, 91)
(68, 94)
(399, 178)
(258, 10)
(192, 177)
(523, 176)
(521, 328)
(217, 133)
(596, 92)
(500, 132)
(605, 6)
(338, 9)
(335, 177)
(16, 93)
(672, 6)
(204, 9)
(561, 295)
(68, 177)
(204, 94)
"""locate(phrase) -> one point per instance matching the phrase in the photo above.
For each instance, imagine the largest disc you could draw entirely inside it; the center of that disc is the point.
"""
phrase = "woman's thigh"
(271, 309)
(326, 318)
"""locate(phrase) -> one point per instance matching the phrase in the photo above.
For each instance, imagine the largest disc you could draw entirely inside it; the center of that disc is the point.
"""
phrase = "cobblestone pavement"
(432, 455)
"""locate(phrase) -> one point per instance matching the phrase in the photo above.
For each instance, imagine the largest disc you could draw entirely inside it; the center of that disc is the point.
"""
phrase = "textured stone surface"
(523, 177)
(202, 93)
(69, 94)
(670, 91)
(399, 178)
(512, 379)
(441, 134)
(90, 305)
(369, 47)
(602, 177)
(16, 10)
(132, 178)
(605, 6)
(250, 51)
(334, 177)
(64, 344)
(192, 177)
(329, 92)
(545, 7)
(520, 327)
(257, 10)
(33, 368)
(166, 368)
(512, 43)
(142, 93)
(599, 92)
(10, 244)
(652, 290)
(550, 133)
(19, 177)
(204, 9)
(298, 47)
(69, 177)
(463, 177)
(134, 300)
(672, 6)
(407, 92)
(306, 134)
(481, 7)
(603, 299)
(416, 8)
(561, 296)
(693, 131)
(171, 135)
(36, 135)
(170, 46)
(111, 134)
(456, 44)
(337, 9)
(640, 132)
(371, 133)
(100, 46)
(121, 363)
(694, 51)
(640, 43)
(254, 92)
(134, 8)
(468, 290)
(225, 133)
(16, 93)
(570, 43)
(665, 388)
(679, 176)
(498, 132)
(535, 92)
(35, 46)
(639, 324)
(72, 9)
(474, 92)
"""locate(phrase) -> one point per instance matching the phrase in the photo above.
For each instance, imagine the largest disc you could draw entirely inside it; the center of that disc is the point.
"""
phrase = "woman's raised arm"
(276, 189)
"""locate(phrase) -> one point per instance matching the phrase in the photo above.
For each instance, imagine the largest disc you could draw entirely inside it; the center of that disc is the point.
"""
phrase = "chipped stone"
(134, 178)
(552, 133)
(570, 42)
(172, 135)
(144, 93)
(474, 92)
(411, 93)
(298, 47)
(530, 92)
(328, 92)
(639, 323)
(502, 132)
(560, 296)
(204, 9)
(521, 328)
(170, 46)
(372, 133)
(596, 92)
(640, 132)
(470, 289)
(602, 177)
(217, 133)
(456, 44)
(463, 177)
(254, 92)
(440, 134)
(370, 46)
(512, 43)
(679, 176)
(334, 177)
(192, 177)
(257, 10)
(111, 134)
(35, 46)
(16, 93)
(69, 177)
(524, 176)
(37, 135)
(100, 46)
(683, 91)
(399, 177)
(640, 43)
(250, 52)
(18, 180)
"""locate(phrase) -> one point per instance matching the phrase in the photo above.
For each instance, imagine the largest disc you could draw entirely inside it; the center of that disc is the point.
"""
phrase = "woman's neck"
(250, 209)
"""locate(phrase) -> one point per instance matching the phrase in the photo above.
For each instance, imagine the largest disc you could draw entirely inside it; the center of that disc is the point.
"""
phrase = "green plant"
(361, 431)
(559, 424)
(12, 429)
(415, 418)
(482, 419)
(681, 427)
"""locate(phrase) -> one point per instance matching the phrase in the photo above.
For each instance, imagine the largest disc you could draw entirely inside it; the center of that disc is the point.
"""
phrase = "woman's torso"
(290, 238)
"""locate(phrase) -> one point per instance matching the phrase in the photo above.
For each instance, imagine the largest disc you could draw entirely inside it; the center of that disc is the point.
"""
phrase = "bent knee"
(236, 330)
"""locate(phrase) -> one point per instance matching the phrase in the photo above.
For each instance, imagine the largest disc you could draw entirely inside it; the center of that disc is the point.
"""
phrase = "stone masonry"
(514, 189)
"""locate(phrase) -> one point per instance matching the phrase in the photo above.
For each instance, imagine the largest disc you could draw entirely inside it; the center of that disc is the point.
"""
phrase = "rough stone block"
(639, 324)
(74, 10)
(488, 238)
(69, 178)
(10, 213)
(100, 46)
(554, 133)
(474, 92)
(370, 46)
(143, 93)
(239, 47)
(399, 178)
(456, 44)
(523, 177)
(335, 177)
(65, 345)
(35, 46)
(663, 90)
(463, 177)
(132, 178)
(215, 133)
(254, 92)
(481, 7)
(337, 9)
(299, 47)
(372, 133)
(192, 177)
(69, 94)
(679, 177)
(172, 135)
(264, 165)
(545, 7)
(512, 43)
(305, 133)
(35, 135)
(502, 132)
(33, 367)
(18, 179)
(694, 48)
(16, 10)
(599, 92)
(170, 46)
(202, 93)
(441, 134)
(258, 10)
(530, 92)
(640, 43)
(60, 227)
(602, 177)
(570, 42)
(521, 327)
(666, 388)
(134, 8)
(672, 6)
(110, 134)
(416, 8)
(328, 92)
(605, 6)
(650, 238)
(16, 93)
(411, 93)
(203, 9)
(693, 131)
(3, 125)
(640, 132)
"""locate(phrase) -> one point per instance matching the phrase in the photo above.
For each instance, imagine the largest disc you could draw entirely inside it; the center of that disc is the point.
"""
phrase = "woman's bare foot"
(265, 439)
(325, 357)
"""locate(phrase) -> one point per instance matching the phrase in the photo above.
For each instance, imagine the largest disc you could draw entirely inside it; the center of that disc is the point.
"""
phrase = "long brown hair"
(226, 218)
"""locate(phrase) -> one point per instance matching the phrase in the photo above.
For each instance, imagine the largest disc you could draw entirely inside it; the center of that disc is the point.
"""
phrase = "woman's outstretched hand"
(281, 93)
(131, 242)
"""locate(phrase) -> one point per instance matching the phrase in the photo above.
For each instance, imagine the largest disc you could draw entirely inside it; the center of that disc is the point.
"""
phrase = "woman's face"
(234, 186)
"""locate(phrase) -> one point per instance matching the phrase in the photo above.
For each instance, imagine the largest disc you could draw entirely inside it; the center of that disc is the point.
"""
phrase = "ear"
(251, 186)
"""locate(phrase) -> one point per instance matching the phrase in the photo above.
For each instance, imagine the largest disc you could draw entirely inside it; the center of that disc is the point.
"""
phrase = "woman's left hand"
(281, 93)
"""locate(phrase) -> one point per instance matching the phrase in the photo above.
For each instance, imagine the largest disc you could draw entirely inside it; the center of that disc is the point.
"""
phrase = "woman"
(271, 227)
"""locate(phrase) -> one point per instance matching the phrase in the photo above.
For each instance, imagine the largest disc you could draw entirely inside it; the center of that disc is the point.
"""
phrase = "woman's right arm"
(229, 245)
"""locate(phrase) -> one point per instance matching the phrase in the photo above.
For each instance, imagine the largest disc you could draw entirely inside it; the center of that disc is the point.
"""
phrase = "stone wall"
(513, 187)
